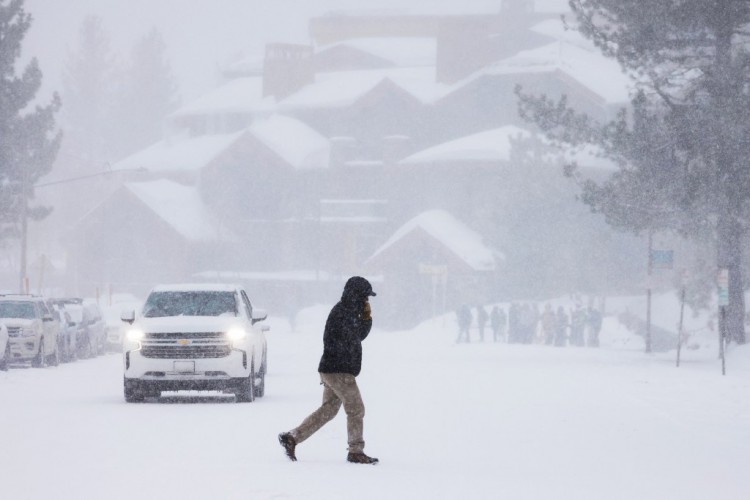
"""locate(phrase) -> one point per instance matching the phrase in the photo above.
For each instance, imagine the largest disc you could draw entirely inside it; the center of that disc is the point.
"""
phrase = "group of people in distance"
(525, 324)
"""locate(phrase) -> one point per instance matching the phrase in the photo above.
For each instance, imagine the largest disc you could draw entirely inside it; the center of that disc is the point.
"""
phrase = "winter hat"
(359, 287)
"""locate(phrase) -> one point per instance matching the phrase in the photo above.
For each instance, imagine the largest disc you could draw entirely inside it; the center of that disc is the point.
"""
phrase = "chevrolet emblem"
(183, 342)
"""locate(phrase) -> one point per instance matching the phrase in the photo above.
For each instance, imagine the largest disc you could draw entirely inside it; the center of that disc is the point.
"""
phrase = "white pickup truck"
(195, 337)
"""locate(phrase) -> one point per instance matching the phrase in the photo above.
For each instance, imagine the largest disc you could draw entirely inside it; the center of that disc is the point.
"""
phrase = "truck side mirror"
(259, 315)
(128, 316)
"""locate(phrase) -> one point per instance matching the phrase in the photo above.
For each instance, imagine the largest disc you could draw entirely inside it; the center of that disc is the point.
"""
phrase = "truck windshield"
(162, 304)
(23, 310)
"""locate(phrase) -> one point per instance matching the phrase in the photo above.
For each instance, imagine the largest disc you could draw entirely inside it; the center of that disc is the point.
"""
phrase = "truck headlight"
(28, 332)
(235, 334)
(134, 334)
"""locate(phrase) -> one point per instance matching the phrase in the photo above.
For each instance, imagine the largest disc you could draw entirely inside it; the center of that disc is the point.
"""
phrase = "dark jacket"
(345, 330)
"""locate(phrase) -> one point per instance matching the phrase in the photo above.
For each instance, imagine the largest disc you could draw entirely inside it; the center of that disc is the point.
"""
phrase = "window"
(191, 303)
(24, 310)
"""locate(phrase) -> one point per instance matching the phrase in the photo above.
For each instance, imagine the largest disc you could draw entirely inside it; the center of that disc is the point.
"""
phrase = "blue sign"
(723, 286)
(662, 259)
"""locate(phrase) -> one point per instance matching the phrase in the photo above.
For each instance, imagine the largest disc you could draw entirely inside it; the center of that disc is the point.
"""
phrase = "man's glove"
(367, 314)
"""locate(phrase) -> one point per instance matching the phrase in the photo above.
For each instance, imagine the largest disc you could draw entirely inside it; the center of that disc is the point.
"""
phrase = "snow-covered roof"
(179, 153)
(245, 64)
(586, 65)
(239, 95)
(463, 241)
(598, 73)
(490, 145)
(344, 88)
(298, 144)
(401, 51)
(179, 206)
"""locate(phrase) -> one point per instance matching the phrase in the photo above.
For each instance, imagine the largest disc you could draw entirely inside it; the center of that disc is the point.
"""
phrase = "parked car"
(195, 337)
(4, 347)
(31, 328)
(97, 329)
(66, 340)
(85, 347)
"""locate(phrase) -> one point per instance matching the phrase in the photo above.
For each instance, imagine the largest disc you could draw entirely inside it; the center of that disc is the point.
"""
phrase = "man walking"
(348, 324)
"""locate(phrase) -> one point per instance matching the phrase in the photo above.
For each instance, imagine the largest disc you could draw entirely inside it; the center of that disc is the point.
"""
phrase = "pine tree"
(29, 141)
(682, 145)
(146, 96)
(89, 86)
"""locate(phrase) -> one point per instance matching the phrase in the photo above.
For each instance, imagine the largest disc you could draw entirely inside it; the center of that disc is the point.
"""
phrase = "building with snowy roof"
(432, 262)
(322, 151)
(148, 232)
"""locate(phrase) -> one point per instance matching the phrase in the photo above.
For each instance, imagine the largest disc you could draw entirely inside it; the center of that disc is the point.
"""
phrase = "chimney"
(286, 69)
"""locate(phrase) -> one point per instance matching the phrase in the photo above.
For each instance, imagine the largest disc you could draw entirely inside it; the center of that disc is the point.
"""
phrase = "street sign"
(662, 259)
(723, 287)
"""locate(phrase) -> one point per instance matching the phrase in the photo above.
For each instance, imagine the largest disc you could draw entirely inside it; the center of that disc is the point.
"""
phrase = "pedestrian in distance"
(594, 324)
(348, 324)
(561, 328)
(548, 324)
(577, 326)
(463, 316)
(482, 318)
(497, 323)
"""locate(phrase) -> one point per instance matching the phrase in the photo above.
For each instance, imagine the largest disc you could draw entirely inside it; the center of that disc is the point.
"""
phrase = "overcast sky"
(201, 34)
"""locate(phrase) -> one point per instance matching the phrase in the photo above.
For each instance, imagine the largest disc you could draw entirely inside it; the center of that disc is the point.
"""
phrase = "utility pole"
(683, 284)
(648, 291)
(22, 288)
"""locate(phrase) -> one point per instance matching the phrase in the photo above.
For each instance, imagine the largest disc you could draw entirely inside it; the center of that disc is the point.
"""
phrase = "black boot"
(288, 442)
(361, 458)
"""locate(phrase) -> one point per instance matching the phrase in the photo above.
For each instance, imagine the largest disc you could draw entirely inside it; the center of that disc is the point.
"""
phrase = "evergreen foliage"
(682, 145)
(147, 94)
(89, 82)
(29, 141)
(113, 106)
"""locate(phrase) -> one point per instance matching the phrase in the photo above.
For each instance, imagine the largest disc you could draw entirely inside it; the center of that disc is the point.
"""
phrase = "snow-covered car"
(195, 337)
(4, 347)
(31, 328)
(66, 340)
(97, 329)
(86, 345)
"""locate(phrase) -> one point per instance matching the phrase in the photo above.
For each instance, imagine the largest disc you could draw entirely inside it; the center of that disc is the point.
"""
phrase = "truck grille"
(182, 346)
(14, 331)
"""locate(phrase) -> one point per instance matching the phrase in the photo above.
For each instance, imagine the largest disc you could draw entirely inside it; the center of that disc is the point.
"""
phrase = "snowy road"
(447, 421)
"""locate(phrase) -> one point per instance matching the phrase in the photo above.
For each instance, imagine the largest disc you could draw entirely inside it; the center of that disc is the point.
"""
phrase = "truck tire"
(133, 393)
(260, 385)
(246, 391)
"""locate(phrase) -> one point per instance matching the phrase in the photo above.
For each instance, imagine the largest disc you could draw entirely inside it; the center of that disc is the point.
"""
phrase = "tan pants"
(338, 388)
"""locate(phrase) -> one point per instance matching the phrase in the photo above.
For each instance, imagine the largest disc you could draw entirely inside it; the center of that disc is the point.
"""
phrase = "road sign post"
(723, 290)
(683, 285)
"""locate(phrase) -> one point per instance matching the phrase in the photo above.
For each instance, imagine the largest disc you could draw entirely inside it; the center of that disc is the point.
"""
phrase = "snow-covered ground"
(447, 420)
